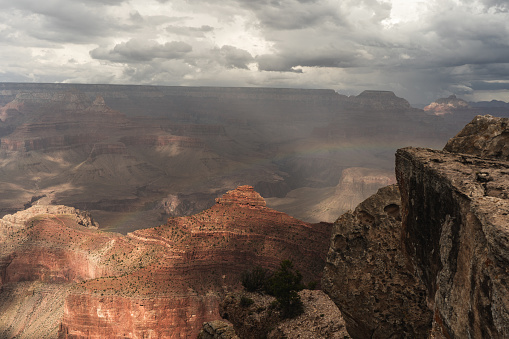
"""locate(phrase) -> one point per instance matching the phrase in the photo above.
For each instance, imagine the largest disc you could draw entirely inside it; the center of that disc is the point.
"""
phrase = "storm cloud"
(422, 50)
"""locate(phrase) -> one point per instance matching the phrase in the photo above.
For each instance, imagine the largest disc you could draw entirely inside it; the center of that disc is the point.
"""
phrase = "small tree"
(284, 285)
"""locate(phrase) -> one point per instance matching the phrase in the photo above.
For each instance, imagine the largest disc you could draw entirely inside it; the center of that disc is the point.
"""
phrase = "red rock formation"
(161, 282)
(243, 195)
(446, 105)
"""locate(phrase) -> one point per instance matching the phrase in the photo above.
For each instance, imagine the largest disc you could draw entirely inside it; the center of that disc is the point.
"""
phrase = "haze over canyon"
(132, 211)
(134, 155)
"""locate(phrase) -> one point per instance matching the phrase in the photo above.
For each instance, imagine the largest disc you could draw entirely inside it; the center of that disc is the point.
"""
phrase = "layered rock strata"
(368, 274)
(163, 282)
(455, 211)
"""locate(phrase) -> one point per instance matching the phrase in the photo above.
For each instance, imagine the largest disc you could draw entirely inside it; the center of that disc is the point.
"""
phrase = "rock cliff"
(454, 213)
(484, 136)
(368, 274)
(433, 262)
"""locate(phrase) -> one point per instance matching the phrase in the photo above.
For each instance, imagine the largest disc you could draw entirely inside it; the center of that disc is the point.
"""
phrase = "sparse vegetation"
(283, 284)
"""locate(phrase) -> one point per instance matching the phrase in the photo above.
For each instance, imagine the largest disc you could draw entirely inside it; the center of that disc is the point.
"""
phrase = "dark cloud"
(166, 72)
(290, 14)
(233, 57)
(497, 5)
(490, 85)
(60, 20)
(289, 63)
(106, 2)
(137, 50)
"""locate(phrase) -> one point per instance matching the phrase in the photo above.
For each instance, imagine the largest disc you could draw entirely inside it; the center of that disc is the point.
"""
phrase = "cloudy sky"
(420, 49)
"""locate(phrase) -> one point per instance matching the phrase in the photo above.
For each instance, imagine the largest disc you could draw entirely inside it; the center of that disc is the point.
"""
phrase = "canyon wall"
(455, 209)
(124, 151)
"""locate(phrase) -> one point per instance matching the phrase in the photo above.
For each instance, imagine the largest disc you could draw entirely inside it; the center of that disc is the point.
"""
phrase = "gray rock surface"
(456, 230)
(484, 136)
(217, 329)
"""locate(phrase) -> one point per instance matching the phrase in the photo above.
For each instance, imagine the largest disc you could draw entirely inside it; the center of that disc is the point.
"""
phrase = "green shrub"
(255, 279)
(312, 285)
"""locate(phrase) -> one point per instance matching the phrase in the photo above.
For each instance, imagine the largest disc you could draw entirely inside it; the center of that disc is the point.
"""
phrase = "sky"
(422, 50)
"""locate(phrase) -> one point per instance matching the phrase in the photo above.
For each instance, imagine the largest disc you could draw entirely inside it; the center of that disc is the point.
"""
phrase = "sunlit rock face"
(326, 204)
(161, 282)
(446, 105)
(243, 195)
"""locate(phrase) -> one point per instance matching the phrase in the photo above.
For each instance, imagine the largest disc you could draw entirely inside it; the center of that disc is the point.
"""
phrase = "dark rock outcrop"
(217, 329)
(368, 274)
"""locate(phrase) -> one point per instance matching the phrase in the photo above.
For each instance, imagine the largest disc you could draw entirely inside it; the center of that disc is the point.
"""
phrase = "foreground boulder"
(369, 276)
(485, 136)
(217, 329)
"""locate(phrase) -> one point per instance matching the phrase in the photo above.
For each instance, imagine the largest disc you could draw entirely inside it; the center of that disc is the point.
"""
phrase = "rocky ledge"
(430, 259)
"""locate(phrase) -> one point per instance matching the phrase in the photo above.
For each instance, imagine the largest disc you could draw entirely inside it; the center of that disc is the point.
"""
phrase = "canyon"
(135, 155)
(156, 165)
